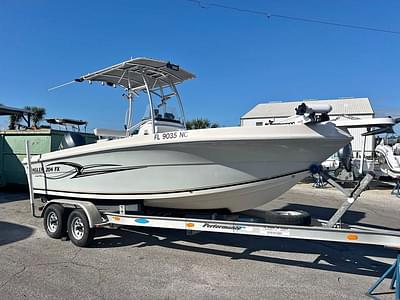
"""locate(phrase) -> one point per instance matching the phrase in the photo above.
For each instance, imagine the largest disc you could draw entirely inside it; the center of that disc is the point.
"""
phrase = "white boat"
(389, 159)
(159, 162)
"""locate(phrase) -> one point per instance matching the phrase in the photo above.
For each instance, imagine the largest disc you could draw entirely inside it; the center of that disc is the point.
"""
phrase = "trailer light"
(352, 237)
(189, 225)
(115, 218)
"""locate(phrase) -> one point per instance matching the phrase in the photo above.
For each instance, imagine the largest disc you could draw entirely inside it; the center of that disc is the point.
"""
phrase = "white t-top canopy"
(133, 73)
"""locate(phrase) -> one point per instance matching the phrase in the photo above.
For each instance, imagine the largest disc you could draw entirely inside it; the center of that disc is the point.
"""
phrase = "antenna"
(61, 85)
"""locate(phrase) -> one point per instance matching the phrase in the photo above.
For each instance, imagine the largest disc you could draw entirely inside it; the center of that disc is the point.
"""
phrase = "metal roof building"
(361, 108)
(340, 107)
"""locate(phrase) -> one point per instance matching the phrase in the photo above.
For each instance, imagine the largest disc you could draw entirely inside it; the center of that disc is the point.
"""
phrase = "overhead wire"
(206, 4)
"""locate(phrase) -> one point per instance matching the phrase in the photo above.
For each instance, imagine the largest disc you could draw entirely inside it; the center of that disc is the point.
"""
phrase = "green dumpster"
(12, 151)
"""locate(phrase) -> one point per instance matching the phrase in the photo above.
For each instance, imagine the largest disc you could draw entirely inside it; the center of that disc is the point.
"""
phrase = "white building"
(351, 108)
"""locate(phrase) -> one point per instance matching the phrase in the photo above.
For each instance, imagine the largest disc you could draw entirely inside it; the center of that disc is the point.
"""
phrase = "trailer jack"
(394, 270)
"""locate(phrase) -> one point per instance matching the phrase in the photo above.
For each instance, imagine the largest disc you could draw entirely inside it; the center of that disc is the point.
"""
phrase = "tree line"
(200, 123)
(38, 114)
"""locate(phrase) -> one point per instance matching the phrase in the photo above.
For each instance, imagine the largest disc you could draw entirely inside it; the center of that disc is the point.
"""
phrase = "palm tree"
(200, 123)
(38, 114)
(13, 121)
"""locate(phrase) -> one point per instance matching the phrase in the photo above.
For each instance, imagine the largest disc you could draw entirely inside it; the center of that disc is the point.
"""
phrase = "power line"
(205, 5)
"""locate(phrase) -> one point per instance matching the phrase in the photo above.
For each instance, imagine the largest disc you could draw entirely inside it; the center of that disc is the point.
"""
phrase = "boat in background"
(343, 166)
(389, 158)
(158, 162)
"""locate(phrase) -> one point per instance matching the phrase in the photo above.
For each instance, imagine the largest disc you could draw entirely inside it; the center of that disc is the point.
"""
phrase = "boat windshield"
(163, 104)
(165, 107)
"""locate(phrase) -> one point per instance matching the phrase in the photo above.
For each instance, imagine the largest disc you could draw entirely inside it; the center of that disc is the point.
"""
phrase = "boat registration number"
(170, 135)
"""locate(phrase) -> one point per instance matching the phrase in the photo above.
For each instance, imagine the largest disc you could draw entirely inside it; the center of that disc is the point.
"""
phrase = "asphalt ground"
(143, 263)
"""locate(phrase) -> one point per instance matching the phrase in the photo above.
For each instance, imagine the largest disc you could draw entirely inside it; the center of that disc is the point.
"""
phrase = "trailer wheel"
(54, 221)
(288, 217)
(79, 230)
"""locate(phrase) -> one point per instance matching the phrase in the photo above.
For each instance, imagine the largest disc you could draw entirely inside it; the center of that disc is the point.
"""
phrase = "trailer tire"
(79, 231)
(54, 221)
(288, 217)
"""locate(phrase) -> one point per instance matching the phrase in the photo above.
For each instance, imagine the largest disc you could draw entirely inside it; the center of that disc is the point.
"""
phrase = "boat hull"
(236, 172)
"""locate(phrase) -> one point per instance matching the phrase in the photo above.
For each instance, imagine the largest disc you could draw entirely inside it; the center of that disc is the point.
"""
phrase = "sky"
(239, 59)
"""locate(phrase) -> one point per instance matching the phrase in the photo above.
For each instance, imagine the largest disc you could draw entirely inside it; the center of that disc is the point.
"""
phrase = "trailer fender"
(89, 208)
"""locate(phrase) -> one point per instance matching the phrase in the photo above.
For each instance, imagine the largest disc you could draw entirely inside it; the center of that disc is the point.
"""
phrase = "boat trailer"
(84, 217)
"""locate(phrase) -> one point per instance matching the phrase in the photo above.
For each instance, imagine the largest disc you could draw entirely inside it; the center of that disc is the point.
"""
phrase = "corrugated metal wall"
(357, 143)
